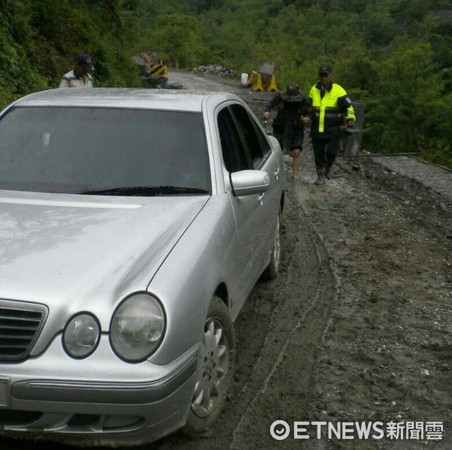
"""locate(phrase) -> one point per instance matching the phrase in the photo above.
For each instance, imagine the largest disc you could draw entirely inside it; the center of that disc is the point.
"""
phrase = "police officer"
(331, 109)
(288, 126)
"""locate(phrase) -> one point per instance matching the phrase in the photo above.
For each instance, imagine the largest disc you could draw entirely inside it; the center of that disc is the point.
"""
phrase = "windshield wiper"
(147, 191)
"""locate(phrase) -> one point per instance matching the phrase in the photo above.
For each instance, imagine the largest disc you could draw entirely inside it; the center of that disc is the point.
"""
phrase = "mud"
(358, 326)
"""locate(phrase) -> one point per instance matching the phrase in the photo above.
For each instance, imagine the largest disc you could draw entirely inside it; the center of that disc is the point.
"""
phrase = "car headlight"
(81, 336)
(137, 327)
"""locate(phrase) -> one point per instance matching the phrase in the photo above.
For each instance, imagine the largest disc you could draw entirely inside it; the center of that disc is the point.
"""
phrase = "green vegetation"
(393, 55)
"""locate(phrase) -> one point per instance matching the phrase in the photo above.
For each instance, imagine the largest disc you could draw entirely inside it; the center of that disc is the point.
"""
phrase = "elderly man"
(331, 109)
(80, 77)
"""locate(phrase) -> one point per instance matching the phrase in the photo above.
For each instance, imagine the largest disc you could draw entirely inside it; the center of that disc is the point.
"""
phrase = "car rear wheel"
(272, 270)
(215, 369)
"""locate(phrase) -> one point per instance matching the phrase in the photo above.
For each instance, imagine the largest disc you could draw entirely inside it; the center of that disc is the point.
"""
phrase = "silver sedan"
(133, 226)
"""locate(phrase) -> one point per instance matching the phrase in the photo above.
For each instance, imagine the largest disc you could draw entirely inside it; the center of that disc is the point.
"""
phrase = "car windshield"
(103, 150)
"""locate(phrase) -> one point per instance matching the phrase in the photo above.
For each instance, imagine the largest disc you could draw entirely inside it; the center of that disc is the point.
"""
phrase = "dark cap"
(325, 69)
(84, 60)
(293, 89)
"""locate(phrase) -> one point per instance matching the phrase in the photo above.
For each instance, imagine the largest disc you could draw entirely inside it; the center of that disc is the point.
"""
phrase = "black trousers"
(325, 151)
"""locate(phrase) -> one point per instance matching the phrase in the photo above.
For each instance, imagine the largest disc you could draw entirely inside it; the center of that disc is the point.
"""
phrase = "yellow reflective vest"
(331, 108)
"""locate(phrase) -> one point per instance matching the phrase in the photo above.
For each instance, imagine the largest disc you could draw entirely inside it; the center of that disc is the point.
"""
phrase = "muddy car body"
(134, 224)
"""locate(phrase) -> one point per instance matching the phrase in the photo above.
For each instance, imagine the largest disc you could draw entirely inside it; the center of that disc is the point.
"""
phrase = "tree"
(407, 95)
(175, 37)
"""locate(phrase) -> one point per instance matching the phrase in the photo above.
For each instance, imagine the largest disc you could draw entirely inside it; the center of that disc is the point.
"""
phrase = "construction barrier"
(263, 80)
(257, 84)
(157, 70)
(255, 81)
(270, 85)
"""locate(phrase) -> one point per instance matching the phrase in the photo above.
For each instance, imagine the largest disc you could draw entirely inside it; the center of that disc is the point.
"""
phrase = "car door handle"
(276, 173)
(260, 199)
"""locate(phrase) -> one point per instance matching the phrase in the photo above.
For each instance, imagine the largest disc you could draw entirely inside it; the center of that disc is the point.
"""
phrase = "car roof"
(162, 99)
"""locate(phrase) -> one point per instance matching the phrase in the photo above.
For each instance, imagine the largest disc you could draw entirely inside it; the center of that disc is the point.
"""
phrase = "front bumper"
(101, 399)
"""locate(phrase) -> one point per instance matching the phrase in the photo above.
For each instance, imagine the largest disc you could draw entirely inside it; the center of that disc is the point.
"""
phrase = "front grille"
(20, 325)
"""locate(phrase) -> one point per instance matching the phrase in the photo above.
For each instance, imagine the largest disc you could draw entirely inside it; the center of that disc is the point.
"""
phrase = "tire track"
(299, 322)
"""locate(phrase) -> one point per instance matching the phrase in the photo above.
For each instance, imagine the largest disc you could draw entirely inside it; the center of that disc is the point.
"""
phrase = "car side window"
(234, 154)
(256, 143)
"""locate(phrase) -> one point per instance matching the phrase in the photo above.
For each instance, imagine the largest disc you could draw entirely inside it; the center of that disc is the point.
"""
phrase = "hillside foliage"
(395, 56)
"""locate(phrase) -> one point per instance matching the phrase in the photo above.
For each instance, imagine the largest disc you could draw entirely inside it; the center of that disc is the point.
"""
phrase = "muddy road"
(357, 328)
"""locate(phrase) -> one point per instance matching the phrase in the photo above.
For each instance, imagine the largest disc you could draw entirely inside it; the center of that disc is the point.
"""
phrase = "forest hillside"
(395, 56)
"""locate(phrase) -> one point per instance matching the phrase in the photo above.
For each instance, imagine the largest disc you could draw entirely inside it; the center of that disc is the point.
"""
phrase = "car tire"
(215, 369)
(272, 270)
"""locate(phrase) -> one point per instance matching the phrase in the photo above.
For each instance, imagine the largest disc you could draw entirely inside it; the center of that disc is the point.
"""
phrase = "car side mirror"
(248, 182)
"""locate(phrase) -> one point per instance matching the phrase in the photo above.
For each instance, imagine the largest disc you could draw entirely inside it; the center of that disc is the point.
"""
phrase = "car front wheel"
(215, 369)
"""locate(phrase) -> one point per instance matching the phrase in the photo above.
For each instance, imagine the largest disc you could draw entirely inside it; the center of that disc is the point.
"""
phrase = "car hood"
(71, 250)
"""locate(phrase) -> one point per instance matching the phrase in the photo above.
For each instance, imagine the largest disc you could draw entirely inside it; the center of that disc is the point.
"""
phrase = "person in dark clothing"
(331, 108)
(288, 125)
